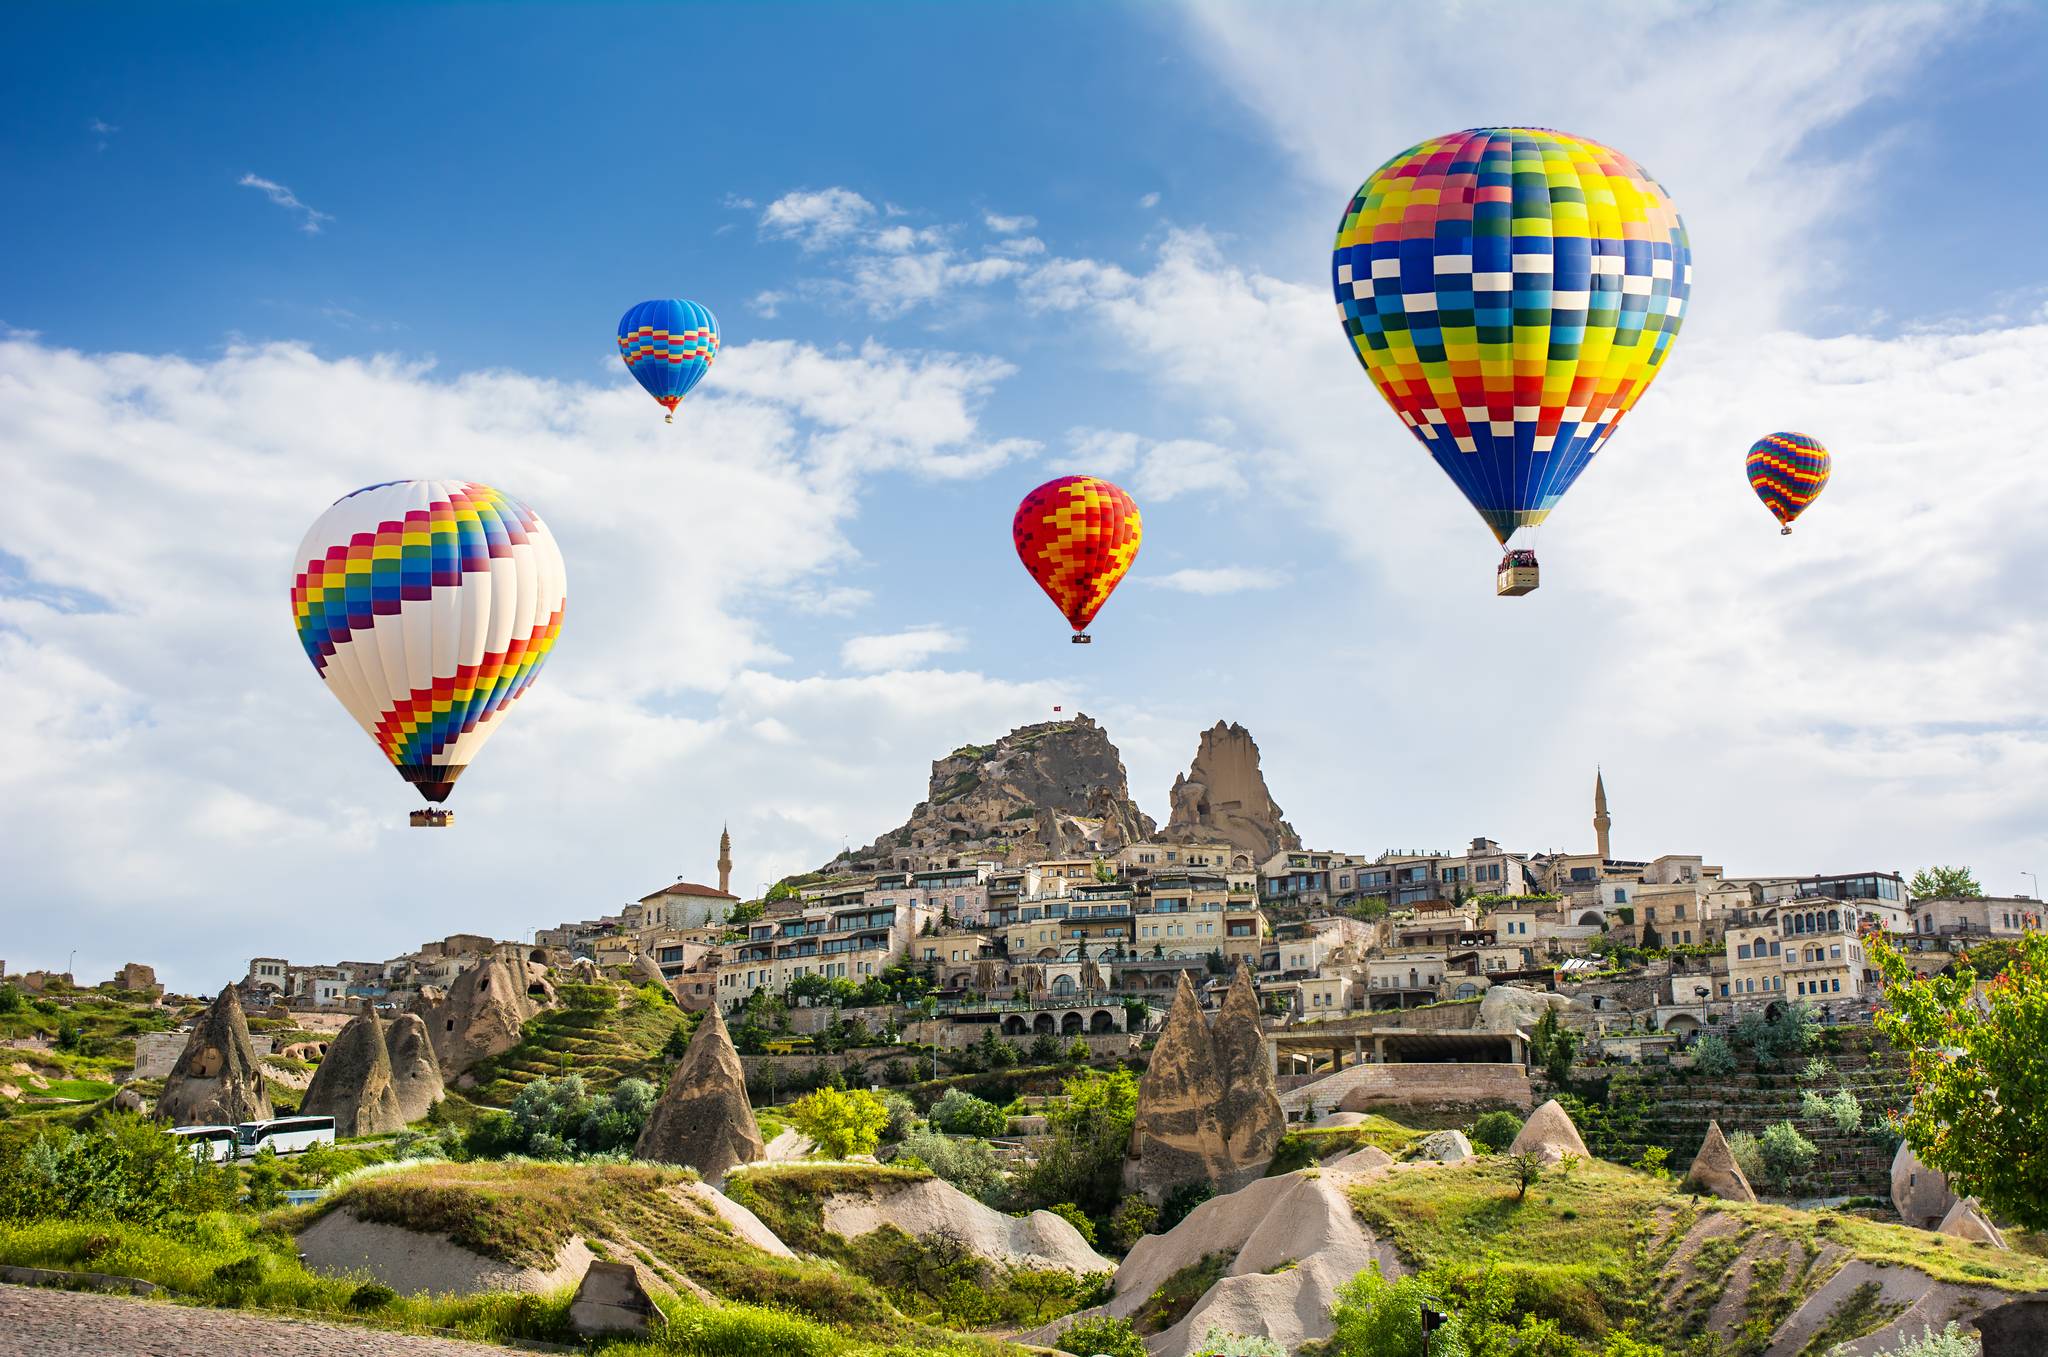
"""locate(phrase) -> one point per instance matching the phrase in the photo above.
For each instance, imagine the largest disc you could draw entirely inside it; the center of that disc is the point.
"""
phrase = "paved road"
(39, 1322)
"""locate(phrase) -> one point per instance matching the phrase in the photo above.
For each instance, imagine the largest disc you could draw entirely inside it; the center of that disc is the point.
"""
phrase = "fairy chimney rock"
(1919, 1194)
(415, 1073)
(1966, 1221)
(482, 1013)
(1549, 1134)
(1715, 1173)
(218, 1080)
(703, 1120)
(1208, 1110)
(1223, 795)
(353, 1083)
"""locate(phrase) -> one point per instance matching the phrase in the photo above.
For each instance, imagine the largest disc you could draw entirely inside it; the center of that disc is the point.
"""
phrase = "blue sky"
(1121, 218)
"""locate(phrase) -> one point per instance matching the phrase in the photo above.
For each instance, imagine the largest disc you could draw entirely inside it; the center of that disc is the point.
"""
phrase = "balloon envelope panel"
(1077, 535)
(668, 345)
(1511, 292)
(427, 607)
(1788, 471)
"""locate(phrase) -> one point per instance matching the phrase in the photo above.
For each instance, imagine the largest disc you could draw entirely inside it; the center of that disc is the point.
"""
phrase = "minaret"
(1601, 819)
(725, 855)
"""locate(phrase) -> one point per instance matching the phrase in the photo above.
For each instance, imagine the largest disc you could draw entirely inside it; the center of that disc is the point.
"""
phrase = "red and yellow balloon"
(1078, 535)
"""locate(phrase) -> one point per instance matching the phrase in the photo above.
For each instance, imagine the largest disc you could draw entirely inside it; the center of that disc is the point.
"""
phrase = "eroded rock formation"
(1966, 1221)
(1919, 1194)
(217, 1081)
(353, 1084)
(1715, 1172)
(415, 1073)
(1223, 796)
(1208, 1110)
(1550, 1135)
(703, 1120)
(482, 1013)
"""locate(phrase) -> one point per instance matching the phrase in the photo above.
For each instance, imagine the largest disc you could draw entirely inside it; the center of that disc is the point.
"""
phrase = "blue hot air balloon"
(668, 345)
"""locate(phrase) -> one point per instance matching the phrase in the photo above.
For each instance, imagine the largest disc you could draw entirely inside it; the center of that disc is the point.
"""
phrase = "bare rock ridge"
(1715, 1172)
(1208, 1110)
(1041, 790)
(1223, 796)
(703, 1120)
(415, 1073)
(353, 1084)
(217, 1081)
(481, 1014)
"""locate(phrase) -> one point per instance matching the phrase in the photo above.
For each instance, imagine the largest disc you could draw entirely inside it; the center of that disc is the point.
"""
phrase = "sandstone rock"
(1045, 790)
(1549, 1133)
(1919, 1194)
(217, 1080)
(1207, 1108)
(1444, 1147)
(2016, 1329)
(1966, 1221)
(129, 1099)
(1038, 1240)
(611, 1299)
(1715, 1173)
(647, 971)
(483, 1012)
(1223, 796)
(353, 1084)
(415, 1073)
(703, 1119)
(1509, 1008)
(1364, 1159)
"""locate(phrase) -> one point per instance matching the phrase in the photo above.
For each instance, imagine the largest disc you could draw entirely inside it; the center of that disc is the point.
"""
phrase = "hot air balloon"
(668, 345)
(428, 607)
(1788, 471)
(1077, 535)
(1511, 291)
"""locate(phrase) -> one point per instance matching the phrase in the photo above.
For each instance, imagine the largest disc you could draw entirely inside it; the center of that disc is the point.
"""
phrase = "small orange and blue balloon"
(668, 345)
(1077, 535)
(1788, 471)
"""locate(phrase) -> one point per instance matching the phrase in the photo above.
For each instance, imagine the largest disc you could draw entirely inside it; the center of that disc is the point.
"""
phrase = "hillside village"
(1207, 1075)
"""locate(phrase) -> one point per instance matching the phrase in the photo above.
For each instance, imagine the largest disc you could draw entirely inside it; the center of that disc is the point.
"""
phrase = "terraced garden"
(620, 1037)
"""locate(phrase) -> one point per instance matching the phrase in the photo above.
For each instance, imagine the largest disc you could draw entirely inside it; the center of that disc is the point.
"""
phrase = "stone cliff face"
(1223, 796)
(1045, 790)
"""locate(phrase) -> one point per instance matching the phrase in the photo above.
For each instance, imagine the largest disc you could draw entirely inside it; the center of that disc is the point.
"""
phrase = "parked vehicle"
(284, 1135)
(214, 1142)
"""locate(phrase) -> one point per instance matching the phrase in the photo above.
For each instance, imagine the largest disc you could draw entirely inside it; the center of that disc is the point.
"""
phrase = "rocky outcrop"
(612, 1299)
(415, 1073)
(1223, 796)
(1550, 1135)
(1208, 1111)
(483, 1011)
(703, 1120)
(1444, 1147)
(1038, 1240)
(218, 1080)
(414, 1263)
(1965, 1221)
(1920, 1194)
(353, 1084)
(1045, 790)
(1714, 1171)
(1514, 1008)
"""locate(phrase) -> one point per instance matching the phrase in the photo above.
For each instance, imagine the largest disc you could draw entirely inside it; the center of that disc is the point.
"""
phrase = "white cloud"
(816, 218)
(899, 650)
(1225, 579)
(738, 202)
(1008, 226)
(310, 218)
(103, 130)
(161, 722)
(1149, 201)
(1163, 469)
(768, 303)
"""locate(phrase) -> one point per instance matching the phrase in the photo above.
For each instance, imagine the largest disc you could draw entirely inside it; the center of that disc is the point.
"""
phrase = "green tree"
(962, 1114)
(1088, 1131)
(746, 912)
(10, 999)
(1045, 1048)
(1527, 1171)
(1712, 1057)
(1076, 1217)
(1785, 1153)
(967, 1164)
(1045, 1286)
(1495, 1131)
(1944, 883)
(1552, 1046)
(124, 1168)
(844, 1122)
(1980, 1103)
(1078, 1052)
(1101, 1336)
(1133, 1220)
(781, 890)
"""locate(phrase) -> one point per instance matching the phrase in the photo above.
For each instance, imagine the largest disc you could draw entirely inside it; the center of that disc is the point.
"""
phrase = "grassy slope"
(604, 1045)
(1595, 1246)
(1312, 1145)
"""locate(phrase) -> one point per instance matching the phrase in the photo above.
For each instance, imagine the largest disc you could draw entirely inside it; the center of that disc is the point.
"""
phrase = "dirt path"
(72, 1324)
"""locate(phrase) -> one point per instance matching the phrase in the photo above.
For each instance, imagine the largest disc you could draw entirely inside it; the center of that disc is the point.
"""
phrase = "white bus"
(212, 1142)
(284, 1135)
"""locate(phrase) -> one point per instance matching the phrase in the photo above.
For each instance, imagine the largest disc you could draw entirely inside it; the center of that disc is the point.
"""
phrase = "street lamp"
(1700, 992)
(2037, 883)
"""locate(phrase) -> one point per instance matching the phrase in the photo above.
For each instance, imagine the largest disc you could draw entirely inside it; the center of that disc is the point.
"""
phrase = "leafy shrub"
(1101, 1334)
(1082, 1161)
(1952, 1341)
(844, 1122)
(10, 999)
(1812, 1106)
(1713, 1057)
(1079, 1052)
(1495, 1131)
(1219, 1342)
(903, 1118)
(1816, 1070)
(371, 1296)
(1652, 1161)
(1783, 1153)
(1748, 1156)
(560, 1119)
(123, 1169)
(963, 1114)
(967, 1164)
(1076, 1217)
(1045, 1049)
(1132, 1221)
(1845, 1111)
(1180, 1201)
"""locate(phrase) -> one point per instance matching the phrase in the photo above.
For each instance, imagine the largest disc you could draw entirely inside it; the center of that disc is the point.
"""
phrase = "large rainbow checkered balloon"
(668, 345)
(428, 607)
(1511, 291)
(1788, 471)
(1077, 535)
